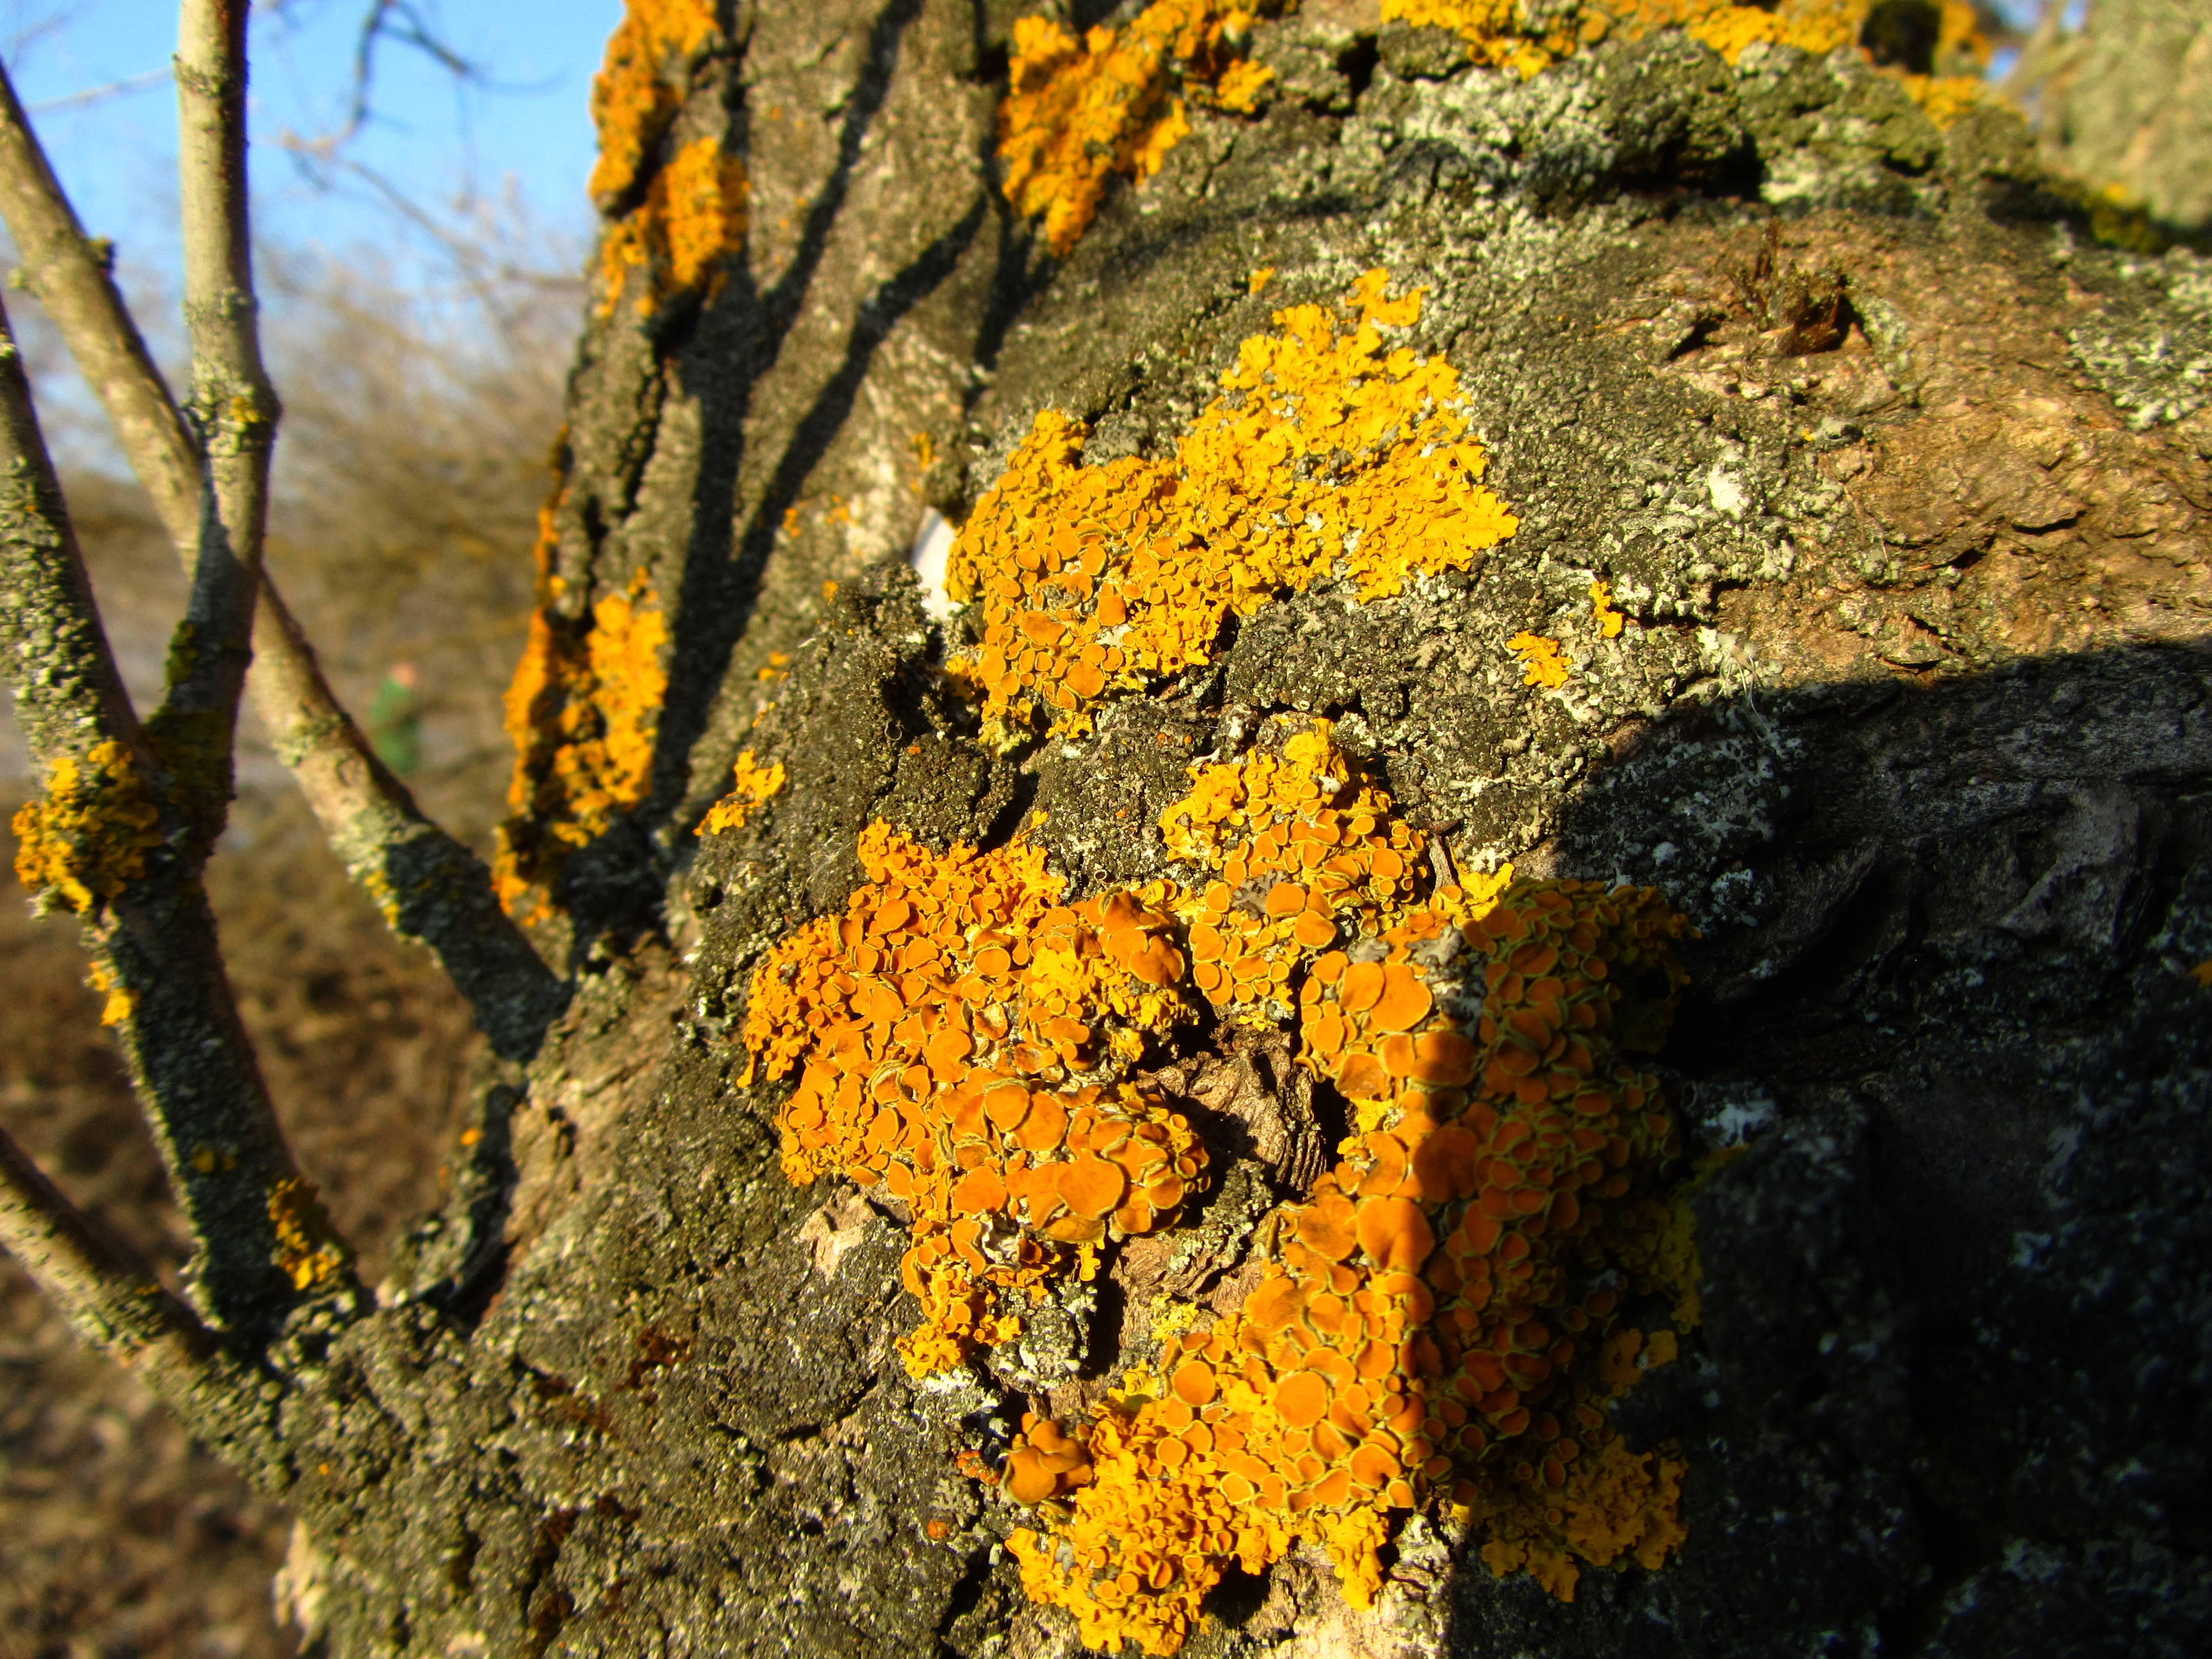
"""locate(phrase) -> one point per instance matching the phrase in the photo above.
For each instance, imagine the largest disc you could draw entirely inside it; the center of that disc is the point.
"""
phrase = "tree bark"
(1901, 484)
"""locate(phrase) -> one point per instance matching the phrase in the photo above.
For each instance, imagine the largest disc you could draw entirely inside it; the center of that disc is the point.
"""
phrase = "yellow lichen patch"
(1433, 1320)
(755, 786)
(582, 711)
(637, 91)
(1528, 38)
(692, 220)
(1306, 853)
(1078, 111)
(2202, 973)
(88, 838)
(120, 1002)
(1331, 452)
(963, 1037)
(306, 1247)
(1542, 663)
(1609, 620)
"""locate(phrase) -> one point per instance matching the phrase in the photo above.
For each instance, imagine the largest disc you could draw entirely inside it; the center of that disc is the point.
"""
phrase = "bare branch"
(232, 407)
(431, 887)
(119, 1309)
(111, 842)
(101, 93)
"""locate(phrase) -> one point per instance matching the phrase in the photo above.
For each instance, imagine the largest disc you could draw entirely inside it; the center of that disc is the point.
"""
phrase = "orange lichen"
(88, 838)
(306, 1246)
(753, 787)
(965, 1038)
(582, 711)
(119, 1002)
(1542, 663)
(1078, 111)
(692, 220)
(1528, 38)
(1331, 452)
(1447, 1316)
(638, 91)
(1609, 621)
(2202, 973)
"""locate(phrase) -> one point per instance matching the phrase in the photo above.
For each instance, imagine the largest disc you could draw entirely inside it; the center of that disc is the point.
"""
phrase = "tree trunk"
(1897, 488)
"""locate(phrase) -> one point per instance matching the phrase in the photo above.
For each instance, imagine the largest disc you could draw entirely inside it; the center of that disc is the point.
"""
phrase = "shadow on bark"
(1951, 1388)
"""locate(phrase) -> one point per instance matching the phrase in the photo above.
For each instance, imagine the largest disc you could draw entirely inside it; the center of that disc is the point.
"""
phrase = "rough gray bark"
(1914, 724)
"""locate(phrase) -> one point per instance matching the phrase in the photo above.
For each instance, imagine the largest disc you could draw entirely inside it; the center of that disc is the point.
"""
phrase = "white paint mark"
(932, 547)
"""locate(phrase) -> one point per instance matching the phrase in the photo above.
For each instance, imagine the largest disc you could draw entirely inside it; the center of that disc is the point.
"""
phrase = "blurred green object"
(395, 722)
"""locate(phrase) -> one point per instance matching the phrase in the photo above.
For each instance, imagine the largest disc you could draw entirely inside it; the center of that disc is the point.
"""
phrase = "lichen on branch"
(582, 710)
(1080, 112)
(675, 217)
(965, 1039)
(1332, 453)
(88, 838)
(1529, 38)
(1501, 1251)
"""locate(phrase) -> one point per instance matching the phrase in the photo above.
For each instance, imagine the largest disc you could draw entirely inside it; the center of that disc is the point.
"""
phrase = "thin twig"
(434, 889)
(101, 94)
(119, 1309)
(232, 407)
(112, 841)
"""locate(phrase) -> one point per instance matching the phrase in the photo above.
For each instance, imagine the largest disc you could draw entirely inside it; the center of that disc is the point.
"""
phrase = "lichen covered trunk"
(1418, 869)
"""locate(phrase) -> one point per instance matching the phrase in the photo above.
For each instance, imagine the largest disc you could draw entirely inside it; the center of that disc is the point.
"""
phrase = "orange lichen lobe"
(1528, 38)
(1078, 111)
(582, 712)
(306, 1246)
(1436, 1321)
(1332, 453)
(88, 840)
(119, 1002)
(692, 220)
(963, 1037)
(638, 89)
(1541, 661)
(753, 787)
(1609, 620)
(2202, 973)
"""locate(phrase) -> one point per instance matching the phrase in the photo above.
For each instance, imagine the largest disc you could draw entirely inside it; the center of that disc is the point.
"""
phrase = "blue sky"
(527, 133)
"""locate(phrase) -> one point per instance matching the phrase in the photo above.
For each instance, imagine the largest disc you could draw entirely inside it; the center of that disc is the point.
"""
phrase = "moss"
(1331, 453)
(1078, 111)
(88, 840)
(753, 787)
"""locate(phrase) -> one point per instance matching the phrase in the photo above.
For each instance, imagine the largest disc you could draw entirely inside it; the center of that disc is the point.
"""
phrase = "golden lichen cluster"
(1450, 1312)
(965, 1039)
(582, 711)
(88, 838)
(1331, 452)
(306, 1247)
(1529, 38)
(1495, 1258)
(1080, 110)
(1541, 661)
(752, 788)
(692, 214)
